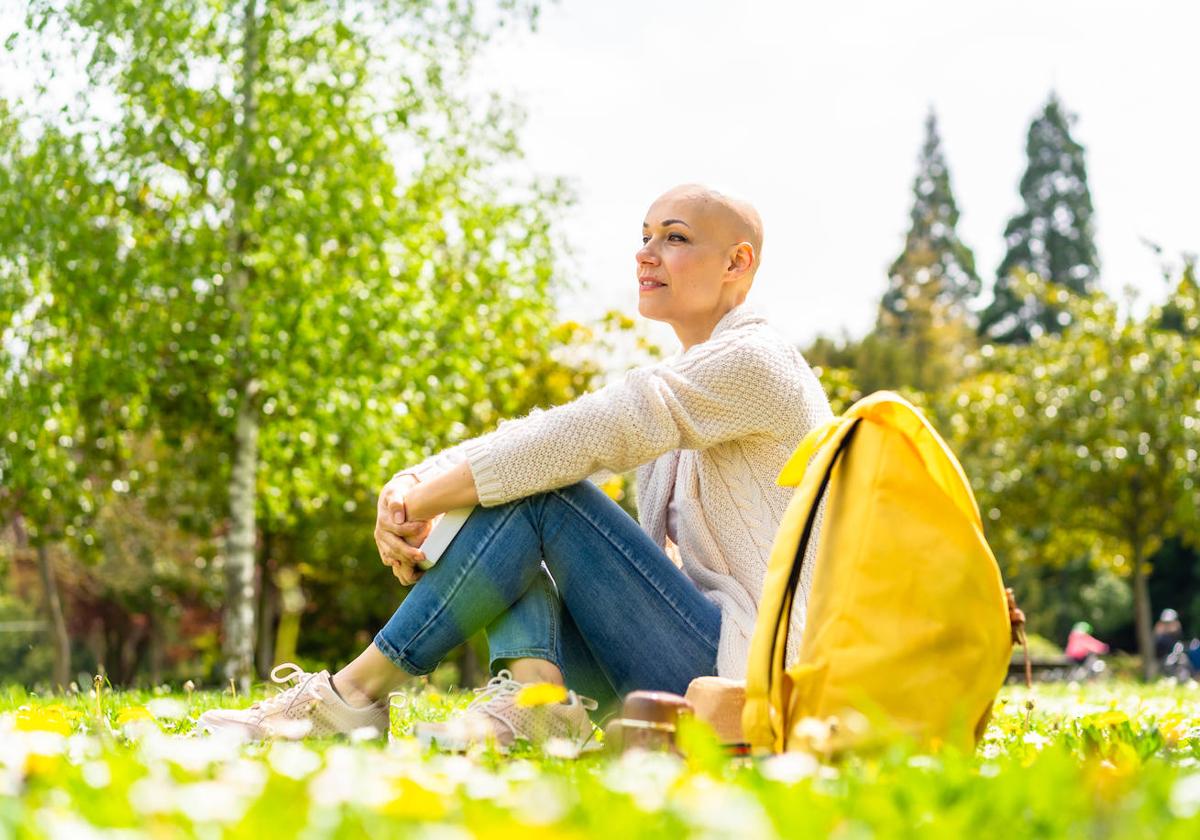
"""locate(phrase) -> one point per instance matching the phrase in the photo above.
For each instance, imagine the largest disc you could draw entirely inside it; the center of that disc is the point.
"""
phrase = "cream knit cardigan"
(714, 425)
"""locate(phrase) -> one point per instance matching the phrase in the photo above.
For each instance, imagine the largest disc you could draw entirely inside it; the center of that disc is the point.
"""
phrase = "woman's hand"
(397, 538)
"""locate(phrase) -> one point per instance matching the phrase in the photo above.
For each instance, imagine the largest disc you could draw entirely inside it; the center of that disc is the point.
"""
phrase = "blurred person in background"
(1167, 631)
(1081, 643)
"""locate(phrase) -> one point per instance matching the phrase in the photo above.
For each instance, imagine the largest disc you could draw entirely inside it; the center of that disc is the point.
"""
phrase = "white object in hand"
(442, 533)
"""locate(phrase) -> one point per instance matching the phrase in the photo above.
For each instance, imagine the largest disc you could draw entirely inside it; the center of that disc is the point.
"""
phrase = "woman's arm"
(454, 488)
(724, 389)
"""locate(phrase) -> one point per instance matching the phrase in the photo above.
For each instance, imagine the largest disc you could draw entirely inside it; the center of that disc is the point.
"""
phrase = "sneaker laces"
(503, 685)
(498, 689)
(500, 694)
(287, 697)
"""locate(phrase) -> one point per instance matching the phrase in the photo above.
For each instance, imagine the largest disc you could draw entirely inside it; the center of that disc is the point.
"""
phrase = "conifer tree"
(935, 270)
(924, 319)
(1051, 237)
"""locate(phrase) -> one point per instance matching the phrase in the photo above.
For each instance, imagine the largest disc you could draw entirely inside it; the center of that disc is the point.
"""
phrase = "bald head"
(733, 218)
(699, 253)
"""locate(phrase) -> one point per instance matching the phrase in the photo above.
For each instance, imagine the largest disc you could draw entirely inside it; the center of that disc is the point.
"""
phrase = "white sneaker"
(310, 708)
(496, 717)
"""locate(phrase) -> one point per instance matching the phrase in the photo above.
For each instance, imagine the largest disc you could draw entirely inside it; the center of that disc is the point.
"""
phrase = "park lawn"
(1100, 760)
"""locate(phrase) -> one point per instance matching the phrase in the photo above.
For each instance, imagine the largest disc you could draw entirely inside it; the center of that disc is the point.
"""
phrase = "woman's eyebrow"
(666, 222)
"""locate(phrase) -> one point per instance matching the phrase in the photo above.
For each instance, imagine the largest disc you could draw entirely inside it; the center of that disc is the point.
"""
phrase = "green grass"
(1106, 760)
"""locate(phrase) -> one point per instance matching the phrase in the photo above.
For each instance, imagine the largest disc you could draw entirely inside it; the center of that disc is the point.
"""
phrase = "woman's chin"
(649, 308)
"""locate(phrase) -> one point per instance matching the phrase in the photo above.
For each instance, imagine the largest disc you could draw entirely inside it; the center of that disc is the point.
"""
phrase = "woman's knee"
(583, 494)
(542, 509)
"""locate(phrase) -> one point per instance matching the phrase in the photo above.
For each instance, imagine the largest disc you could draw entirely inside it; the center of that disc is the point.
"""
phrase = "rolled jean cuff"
(550, 656)
(400, 660)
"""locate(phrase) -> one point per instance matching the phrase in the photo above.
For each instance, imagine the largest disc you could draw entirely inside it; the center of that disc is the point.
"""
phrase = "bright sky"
(815, 112)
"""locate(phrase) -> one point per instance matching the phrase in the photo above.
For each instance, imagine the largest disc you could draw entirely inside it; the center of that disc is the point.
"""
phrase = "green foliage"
(910, 365)
(284, 219)
(839, 387)
(1039, 647)
(1051, 237)
(27, 658)
(1105, 410)
(1055, 595)
(923, 362)
(1181, 313)
(60, 349)
(358, 283)
(1084, 444)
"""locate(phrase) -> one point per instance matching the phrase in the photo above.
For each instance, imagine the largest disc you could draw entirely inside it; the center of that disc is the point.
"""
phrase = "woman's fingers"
(397, 539)
(397, 514)
(417, 539)
(407, 530)
(383, 507)
(393, 549)
(407, 575)
(396, 550)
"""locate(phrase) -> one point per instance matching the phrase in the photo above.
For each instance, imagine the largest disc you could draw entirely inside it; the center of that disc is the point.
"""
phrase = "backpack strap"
(779, 645)
(763, 719)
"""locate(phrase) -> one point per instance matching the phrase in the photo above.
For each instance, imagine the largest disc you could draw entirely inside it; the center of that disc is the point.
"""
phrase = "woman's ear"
(741, 258)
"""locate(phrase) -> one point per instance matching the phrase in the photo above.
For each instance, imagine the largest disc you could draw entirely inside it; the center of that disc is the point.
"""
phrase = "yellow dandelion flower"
(54, 718)
(415, 802)
(541, 694)
(129, 714)
(614, 488)
(1174, 727)
(37, 764)
(1113, 717)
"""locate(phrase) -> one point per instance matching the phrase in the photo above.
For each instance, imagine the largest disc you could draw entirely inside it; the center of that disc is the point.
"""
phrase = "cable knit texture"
(714, 424)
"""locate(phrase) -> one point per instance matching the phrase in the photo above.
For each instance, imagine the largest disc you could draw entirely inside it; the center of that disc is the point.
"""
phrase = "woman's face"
(682, 261)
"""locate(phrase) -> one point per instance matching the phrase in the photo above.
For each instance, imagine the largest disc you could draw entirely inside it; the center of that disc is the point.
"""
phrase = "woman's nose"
(646, 254)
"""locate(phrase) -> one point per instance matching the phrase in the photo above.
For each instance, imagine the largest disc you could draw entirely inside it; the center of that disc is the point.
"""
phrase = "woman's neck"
(699, 329)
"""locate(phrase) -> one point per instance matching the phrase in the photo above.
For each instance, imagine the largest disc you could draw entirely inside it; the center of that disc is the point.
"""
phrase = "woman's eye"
(677, 237)
(645, 239)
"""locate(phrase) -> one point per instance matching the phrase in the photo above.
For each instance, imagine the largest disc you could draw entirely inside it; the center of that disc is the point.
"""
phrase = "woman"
(569, 589)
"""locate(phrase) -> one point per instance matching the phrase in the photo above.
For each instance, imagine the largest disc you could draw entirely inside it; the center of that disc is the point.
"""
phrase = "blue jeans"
(566, 576)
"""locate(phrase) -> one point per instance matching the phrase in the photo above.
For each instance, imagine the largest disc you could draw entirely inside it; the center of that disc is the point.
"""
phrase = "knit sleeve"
(726, 388)
(437, 464)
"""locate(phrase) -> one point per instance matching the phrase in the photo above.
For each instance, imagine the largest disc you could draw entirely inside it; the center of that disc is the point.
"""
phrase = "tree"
(925, 327)
(63, 437)
(933, 279)
(1084, 444)
(315, 254)
(1181, 312)
(1051, 237)
(922, 363)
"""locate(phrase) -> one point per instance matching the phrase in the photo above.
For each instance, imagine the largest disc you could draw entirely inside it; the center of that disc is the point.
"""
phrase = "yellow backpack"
(908, 625)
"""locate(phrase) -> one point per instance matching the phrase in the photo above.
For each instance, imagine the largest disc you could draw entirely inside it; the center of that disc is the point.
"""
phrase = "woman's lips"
(647, 285)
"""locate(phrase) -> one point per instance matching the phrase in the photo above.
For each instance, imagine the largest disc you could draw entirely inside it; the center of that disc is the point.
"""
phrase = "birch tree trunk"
(239, 568)
(239, 624)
